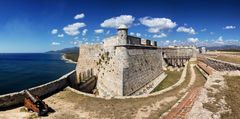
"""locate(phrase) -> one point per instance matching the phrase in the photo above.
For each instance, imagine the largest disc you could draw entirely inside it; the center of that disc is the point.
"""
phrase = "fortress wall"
(180, 52)
(111, 72)
(144, 65)
(42, 90)
(127, 70)
(87, 61)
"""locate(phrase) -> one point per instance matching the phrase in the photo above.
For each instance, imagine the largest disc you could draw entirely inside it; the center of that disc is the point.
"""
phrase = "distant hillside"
(225, 48)
(73, 50)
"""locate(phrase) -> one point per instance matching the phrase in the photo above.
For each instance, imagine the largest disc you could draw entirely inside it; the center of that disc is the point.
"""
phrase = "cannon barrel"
(30, 96)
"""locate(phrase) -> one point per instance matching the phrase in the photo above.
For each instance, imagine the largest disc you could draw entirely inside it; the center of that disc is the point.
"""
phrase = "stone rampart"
(144, 65)
(126, 70)
(87, 61)
(16, 98)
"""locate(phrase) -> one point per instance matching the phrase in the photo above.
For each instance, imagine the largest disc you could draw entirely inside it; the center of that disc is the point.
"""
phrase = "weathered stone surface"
(120, 67)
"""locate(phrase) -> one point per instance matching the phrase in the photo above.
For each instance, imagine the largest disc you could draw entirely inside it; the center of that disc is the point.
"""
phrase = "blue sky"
(39, 26)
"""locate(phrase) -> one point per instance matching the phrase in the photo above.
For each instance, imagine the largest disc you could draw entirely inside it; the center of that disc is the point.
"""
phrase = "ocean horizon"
(19, 71)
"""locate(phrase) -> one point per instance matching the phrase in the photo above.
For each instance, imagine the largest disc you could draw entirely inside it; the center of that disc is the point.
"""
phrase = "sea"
(19, 71)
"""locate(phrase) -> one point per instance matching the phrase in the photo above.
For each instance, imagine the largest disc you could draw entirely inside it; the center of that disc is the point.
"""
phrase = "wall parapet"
(16, 98)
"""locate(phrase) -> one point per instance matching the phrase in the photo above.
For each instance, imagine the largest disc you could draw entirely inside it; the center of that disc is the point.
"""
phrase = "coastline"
(67, 60)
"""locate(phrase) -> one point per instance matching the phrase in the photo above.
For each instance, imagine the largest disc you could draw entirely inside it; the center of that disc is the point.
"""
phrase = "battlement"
(124, 39)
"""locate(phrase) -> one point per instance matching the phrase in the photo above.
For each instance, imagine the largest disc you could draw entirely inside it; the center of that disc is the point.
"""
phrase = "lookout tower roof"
(122, 27)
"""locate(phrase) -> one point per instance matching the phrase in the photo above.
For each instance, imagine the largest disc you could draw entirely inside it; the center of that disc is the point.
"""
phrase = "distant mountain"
(66, 50)
(224, 47)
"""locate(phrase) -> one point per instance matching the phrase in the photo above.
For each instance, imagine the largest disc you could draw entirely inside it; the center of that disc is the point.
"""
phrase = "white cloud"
(84, 39)
(153, 30)
(212, 33)
(219, 40)
(54, 31)
(60, 35)
(138, 34)
(76, 42)
(98, 31)
(132, 34)
(79, 16)
(157, 24)
(116, 22)
(189, 30)
(202, 30)
(229, 27)
(159, 35)
(73, 29)
(55, 43)
(84, 32)
(193, 40)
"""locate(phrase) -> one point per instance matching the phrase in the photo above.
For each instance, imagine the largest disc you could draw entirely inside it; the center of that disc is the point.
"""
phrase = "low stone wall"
(206, 68)
(16, 98)
(221, 65)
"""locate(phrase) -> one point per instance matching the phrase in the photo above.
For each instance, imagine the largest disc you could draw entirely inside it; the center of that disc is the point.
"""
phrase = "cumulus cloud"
(75, 42)
(60, 35)
(229, 27)
(138, 34)
(132, 34)
(116, 22)
(84, 32)
(73, 29)
(79, 16)
(189, 30)
(55, 43)
(219, 40)
(54, 31)
(193, 40)
(157, 24)
(98, 31)
(159, 35)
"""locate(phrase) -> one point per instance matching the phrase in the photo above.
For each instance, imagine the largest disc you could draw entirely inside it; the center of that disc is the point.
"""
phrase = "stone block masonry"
(144, 65)
(87, 61)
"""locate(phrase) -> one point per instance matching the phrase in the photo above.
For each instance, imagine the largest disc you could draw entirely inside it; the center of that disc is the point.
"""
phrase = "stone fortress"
(124, 64)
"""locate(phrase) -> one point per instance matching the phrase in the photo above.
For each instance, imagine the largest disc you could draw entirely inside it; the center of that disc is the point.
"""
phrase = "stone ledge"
(16, 98)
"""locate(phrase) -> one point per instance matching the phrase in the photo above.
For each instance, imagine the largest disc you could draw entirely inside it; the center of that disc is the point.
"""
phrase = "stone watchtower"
(122, 35)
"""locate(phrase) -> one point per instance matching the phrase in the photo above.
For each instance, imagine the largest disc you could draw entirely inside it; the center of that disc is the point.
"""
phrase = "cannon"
(34, 103)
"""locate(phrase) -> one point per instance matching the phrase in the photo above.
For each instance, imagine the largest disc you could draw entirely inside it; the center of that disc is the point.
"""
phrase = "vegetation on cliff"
(71, 56)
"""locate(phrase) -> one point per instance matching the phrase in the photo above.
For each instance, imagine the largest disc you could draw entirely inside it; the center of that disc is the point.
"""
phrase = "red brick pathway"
(181, 110)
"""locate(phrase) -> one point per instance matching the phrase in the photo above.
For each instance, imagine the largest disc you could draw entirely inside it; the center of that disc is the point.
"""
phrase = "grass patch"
(72, 56)
(200, 79)
(232, 97)
(171, 79)
(228, 59)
